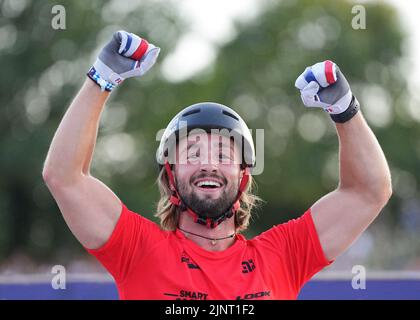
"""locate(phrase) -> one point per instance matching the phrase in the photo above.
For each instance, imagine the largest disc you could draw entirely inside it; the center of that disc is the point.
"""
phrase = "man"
(206, 197)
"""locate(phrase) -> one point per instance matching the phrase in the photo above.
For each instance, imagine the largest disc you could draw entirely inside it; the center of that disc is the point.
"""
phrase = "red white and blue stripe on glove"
(323, 85)
(125, 56)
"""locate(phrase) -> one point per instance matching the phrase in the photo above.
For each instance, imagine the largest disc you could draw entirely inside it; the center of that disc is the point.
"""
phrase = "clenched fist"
(126, 55)
(323, 85)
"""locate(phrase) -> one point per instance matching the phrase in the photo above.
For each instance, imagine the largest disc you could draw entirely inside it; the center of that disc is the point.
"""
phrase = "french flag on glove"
(323, 73)
(143, 53)
(323, 85)
(132, 46)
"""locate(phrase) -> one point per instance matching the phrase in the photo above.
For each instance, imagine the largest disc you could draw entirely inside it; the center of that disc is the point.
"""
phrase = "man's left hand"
(323, 85)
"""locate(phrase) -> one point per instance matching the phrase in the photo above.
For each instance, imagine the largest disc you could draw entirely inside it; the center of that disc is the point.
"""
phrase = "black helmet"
(208, 116)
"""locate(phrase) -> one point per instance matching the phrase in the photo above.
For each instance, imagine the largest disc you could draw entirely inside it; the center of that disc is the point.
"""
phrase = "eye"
(194, 155)
(225, 156)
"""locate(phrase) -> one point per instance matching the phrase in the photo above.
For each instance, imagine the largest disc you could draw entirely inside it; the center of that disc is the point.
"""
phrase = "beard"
(206, 205)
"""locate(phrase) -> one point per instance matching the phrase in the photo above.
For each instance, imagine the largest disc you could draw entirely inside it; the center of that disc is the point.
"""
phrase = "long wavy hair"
(168, 213)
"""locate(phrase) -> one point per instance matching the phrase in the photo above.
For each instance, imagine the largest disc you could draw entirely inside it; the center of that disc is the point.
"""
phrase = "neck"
(223, 230)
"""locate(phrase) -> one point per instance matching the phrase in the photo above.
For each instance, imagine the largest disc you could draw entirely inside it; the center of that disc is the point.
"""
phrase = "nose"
(209, 160)
(209, 167)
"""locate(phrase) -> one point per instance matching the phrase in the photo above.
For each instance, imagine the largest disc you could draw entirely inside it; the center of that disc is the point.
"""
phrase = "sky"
(211, 25)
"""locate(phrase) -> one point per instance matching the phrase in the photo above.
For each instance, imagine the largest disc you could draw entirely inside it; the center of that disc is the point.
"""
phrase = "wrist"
(94, 75)
(94, 88)
(349, 113)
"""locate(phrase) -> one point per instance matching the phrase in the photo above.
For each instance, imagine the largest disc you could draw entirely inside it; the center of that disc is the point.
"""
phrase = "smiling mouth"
(208, 185)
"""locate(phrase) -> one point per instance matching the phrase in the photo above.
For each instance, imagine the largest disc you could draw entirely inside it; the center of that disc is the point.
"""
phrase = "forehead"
(207, 140)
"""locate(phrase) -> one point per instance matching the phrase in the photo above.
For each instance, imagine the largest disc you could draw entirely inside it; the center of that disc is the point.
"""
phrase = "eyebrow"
(220, 145)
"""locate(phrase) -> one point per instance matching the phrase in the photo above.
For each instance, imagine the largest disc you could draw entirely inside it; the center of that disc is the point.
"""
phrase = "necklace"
(212, 240)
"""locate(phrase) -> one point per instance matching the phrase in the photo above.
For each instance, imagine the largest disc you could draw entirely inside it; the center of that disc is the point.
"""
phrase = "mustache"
(206, 175)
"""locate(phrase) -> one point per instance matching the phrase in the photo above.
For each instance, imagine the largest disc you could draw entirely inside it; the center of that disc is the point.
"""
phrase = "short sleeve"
(298, 247)
(130, 239)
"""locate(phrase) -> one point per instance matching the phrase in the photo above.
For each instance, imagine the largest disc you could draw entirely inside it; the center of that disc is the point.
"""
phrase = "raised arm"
(89, 207)
(364, 189)
(365, 180)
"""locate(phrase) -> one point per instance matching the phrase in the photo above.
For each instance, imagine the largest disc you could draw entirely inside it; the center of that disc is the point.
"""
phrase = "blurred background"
(245, 54)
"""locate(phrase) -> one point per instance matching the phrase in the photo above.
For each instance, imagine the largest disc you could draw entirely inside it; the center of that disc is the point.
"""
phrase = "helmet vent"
(230, 115)
(191, 112)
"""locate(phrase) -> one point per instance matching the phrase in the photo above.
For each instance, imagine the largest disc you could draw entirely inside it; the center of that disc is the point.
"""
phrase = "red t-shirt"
(149, 263)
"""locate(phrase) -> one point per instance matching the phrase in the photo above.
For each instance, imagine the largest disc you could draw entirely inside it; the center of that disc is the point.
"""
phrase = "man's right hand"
(125, 56)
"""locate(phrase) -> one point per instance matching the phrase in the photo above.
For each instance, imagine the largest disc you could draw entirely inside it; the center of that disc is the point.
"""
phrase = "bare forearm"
(363, 166)
(71, 149)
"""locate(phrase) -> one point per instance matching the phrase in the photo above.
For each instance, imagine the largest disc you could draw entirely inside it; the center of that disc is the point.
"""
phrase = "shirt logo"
(256, 295)
(188, 295)
(248, 266)
(186, 259)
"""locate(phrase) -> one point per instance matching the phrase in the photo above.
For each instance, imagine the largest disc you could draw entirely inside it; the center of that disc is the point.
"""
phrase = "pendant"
(213, 242)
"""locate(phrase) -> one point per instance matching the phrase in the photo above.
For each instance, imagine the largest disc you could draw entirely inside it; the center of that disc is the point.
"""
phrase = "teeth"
(208, 183)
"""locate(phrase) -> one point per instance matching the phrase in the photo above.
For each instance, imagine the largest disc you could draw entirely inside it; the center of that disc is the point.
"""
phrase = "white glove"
(323, 85)
(126, 55)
